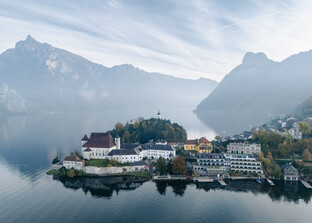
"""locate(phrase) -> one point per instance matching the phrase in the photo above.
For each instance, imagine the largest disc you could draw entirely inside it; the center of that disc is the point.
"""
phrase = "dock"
(222, 182)
(306, 184)
(203, 179)
(270, 182)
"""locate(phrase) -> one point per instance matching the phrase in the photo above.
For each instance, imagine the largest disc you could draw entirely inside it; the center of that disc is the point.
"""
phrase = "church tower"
(158, 115)
(117, 142)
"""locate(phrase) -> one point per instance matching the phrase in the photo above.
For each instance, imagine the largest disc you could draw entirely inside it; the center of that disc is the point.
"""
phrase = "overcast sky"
(188, 39)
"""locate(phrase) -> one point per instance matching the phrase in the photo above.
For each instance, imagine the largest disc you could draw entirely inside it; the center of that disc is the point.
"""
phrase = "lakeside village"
(245, 156)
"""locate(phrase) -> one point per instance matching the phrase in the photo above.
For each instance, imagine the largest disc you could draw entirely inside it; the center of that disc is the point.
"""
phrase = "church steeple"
(158, 115)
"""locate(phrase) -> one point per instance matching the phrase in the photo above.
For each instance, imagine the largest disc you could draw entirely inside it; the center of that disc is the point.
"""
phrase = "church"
(99, 145)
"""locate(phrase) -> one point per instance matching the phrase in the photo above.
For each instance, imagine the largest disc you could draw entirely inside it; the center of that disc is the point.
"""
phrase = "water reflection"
(178, 187)
(102, 187)
(105, 187)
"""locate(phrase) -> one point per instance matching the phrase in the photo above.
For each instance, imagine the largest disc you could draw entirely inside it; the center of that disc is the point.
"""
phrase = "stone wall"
(112, 170)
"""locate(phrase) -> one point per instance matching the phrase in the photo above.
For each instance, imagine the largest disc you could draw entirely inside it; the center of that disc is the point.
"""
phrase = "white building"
(294, 131)
(243, 148)
(244, 163)
(126, 155)
(99, 145)
(73, 161)
(153, 151)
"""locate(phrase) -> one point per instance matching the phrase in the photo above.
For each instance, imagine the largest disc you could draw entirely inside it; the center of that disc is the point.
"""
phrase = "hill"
(57, 80)
(144, 130)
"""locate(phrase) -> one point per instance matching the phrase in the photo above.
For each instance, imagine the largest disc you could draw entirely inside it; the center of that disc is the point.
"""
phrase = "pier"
(222, 182)
(306, 184)
(270, 182)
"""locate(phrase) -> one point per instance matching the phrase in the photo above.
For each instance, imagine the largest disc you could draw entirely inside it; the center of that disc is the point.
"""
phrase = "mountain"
(305, 108)
(12, 102)
(57, 80)
(260, 86)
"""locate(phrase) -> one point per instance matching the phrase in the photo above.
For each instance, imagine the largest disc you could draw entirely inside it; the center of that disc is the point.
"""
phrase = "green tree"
(71, 173)
(284, 149)
(306, 154)
(178, 165)
(218, 138)
(304, 128)
(55, 160)
(161, 166)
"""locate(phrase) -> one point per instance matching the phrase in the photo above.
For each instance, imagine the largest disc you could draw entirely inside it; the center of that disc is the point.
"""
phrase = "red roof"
(203, 140)
(100, 140)
(191, 141)
(73, 157)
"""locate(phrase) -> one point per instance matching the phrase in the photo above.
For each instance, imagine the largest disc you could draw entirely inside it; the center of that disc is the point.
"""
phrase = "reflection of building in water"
(291, 187)
(103, 187)
(209, 186)
(243, 185)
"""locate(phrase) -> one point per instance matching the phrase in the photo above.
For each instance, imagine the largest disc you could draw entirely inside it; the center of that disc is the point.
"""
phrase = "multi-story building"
(219, 163)
(211, 164)
(201, 145)
(244, 163)
(243, 148)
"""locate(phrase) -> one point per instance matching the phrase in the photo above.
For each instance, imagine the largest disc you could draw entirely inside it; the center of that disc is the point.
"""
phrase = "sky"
(182, 38)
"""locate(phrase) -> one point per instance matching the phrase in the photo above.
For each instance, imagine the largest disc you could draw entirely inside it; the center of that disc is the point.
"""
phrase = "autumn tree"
(304, 128)
(306, 154)
(269, 156)
(161, 166)
(178, 165)
(71, 173)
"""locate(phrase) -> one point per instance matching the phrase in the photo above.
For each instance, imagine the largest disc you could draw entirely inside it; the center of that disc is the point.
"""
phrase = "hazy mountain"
(55, 79)
(11, 101)
(261, 86)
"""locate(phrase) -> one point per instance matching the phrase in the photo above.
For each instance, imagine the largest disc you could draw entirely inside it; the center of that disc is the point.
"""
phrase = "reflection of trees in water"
(178, 187)
(102, 187)
(105, 187)
(282, 191)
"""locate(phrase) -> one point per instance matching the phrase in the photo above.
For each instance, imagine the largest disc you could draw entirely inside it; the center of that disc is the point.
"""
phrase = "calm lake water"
(27, 194)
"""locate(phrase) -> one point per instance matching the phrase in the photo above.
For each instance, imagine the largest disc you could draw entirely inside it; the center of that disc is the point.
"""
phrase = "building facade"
(290, 173)
(220, 163)
(154, 151)
(201, 145)
(73, 161)
(99, 145)
(244, 163)
(211, 164)
(243, 148)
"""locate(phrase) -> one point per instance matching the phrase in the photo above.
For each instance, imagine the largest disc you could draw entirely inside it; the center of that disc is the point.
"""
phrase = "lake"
(27, 194)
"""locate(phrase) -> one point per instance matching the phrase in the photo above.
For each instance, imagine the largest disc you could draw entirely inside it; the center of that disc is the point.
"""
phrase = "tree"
(126, 137)
(218, 138)
(161, 166)
(71, 173)
(178, 165)
(304, 128)
(269, 156)
(55, 160)
(118, 126)
(284, 149)
(306, 154)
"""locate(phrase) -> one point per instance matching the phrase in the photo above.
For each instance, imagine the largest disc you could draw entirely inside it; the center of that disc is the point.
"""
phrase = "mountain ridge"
(56, 79)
